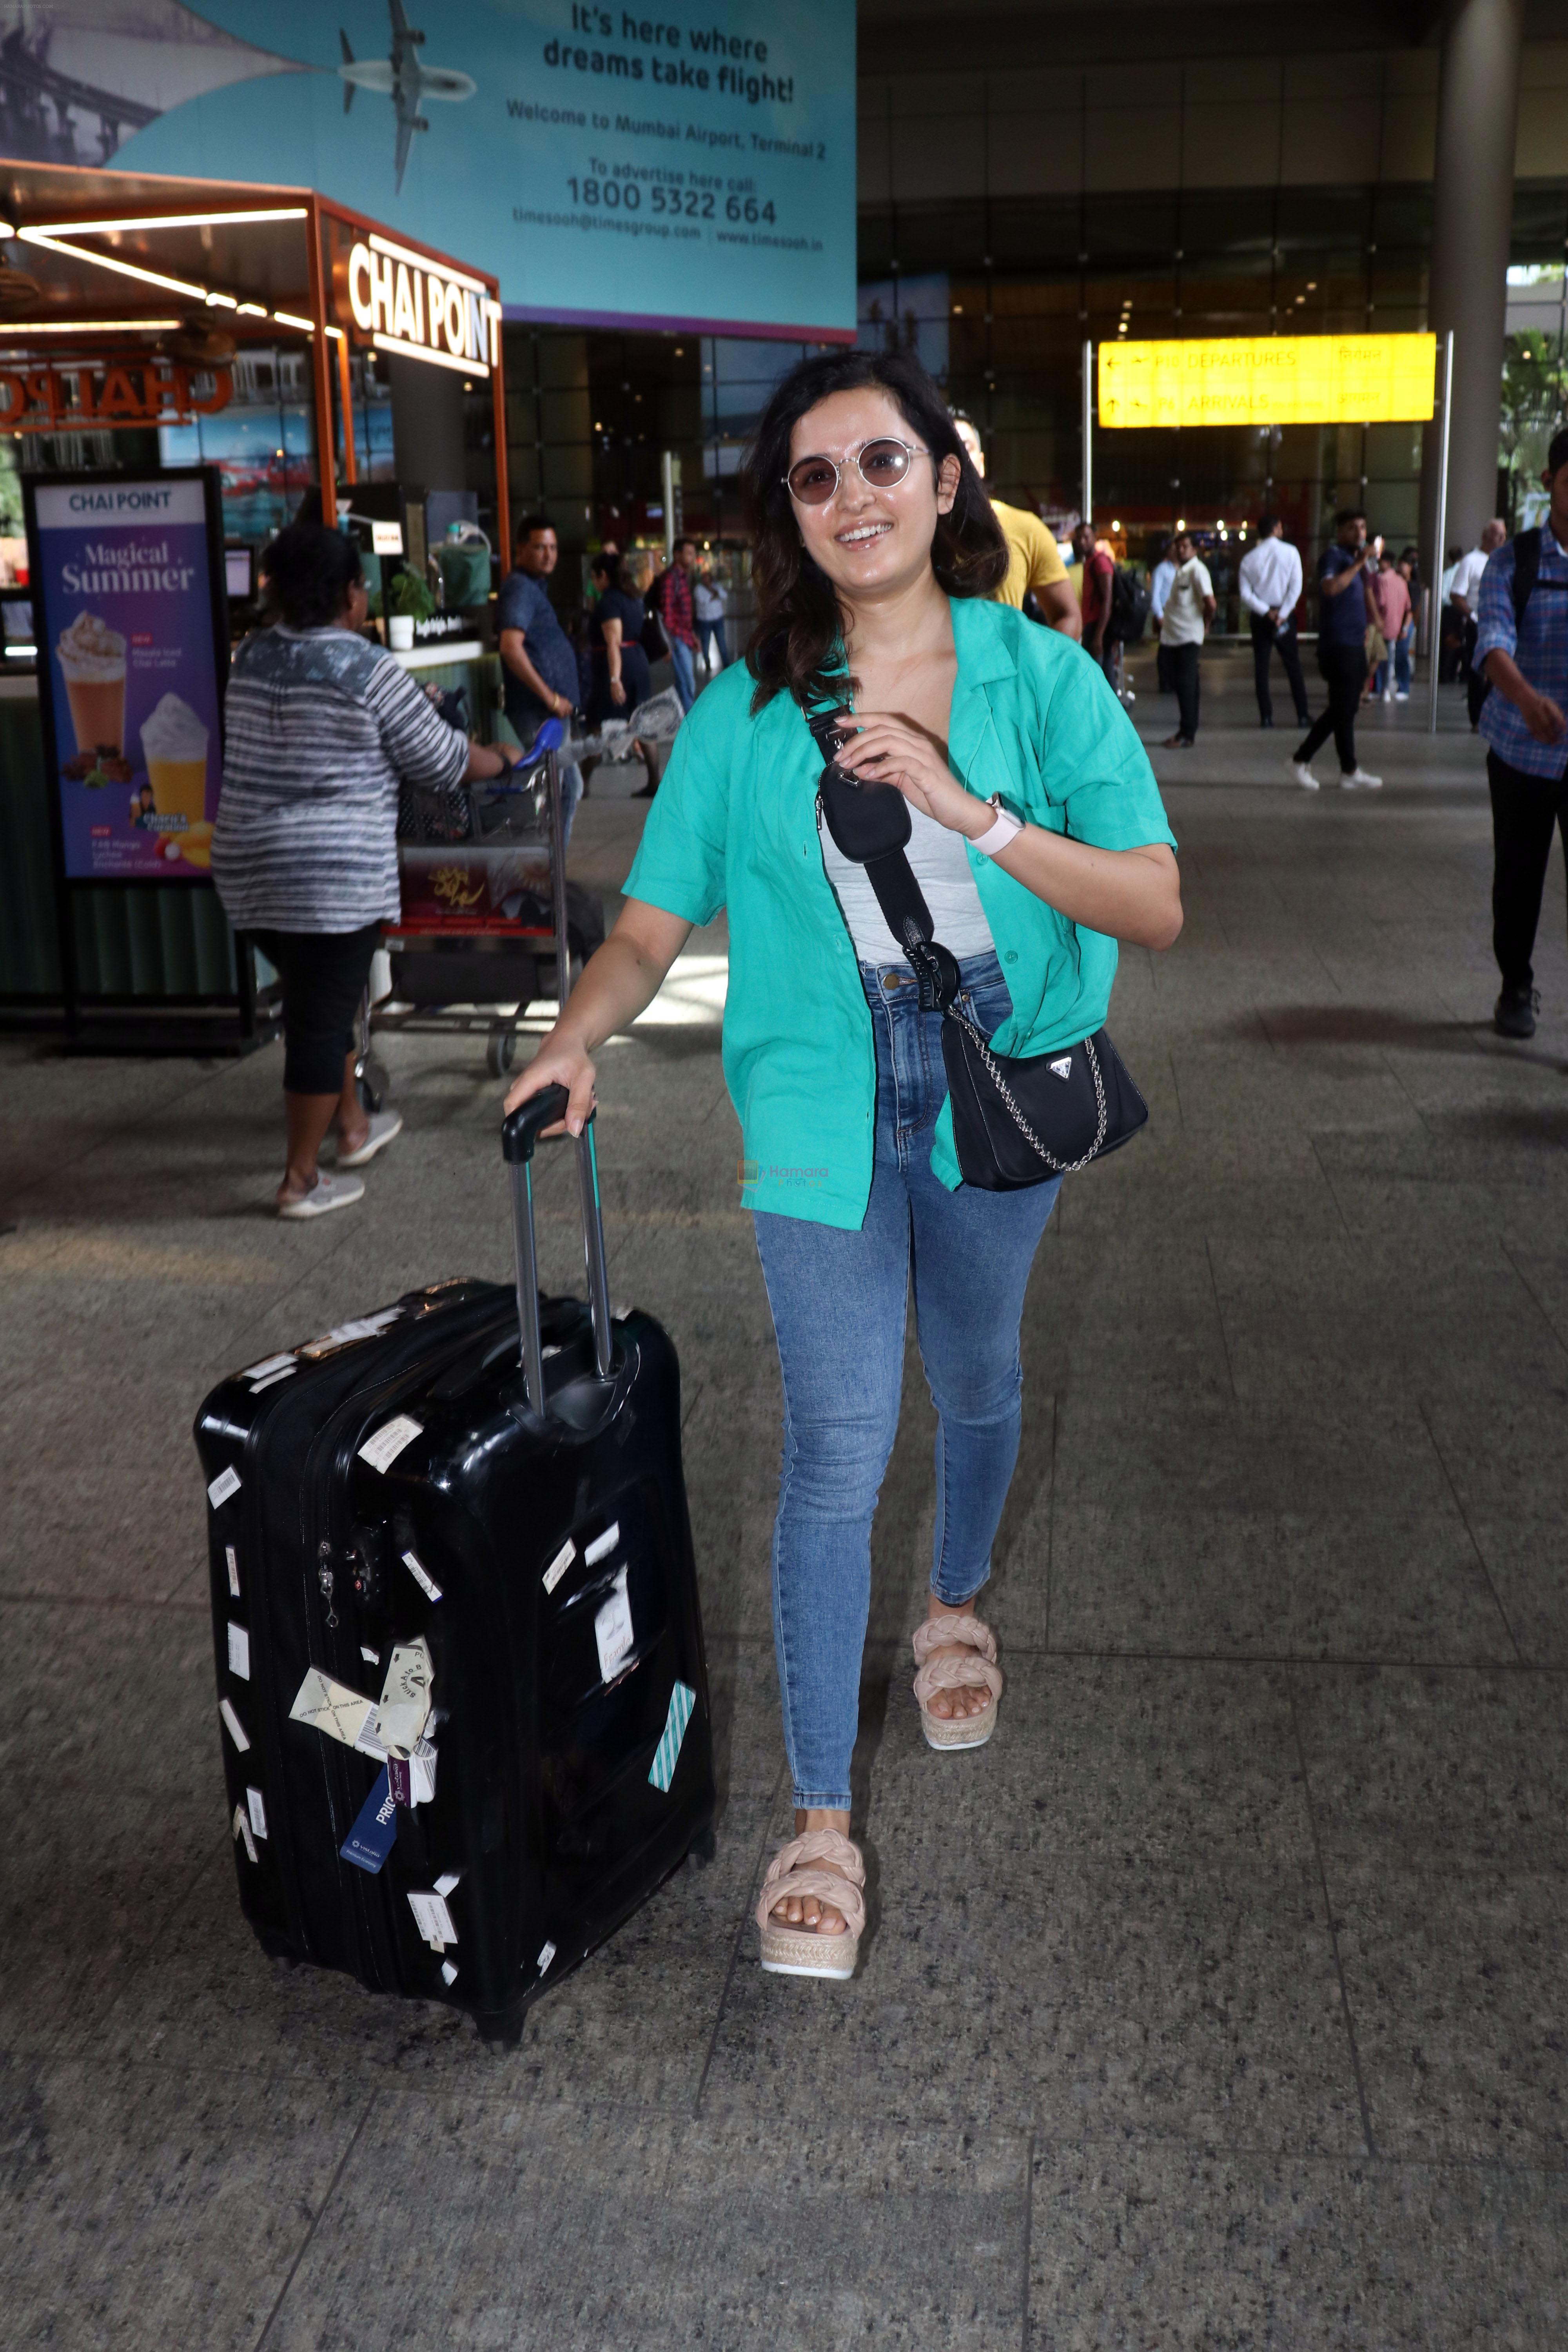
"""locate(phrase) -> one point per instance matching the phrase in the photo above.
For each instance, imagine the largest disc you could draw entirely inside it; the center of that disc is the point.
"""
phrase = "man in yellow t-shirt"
(1034, 561)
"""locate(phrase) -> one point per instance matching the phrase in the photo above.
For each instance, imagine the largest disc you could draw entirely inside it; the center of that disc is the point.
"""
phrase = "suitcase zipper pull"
(324, 1578)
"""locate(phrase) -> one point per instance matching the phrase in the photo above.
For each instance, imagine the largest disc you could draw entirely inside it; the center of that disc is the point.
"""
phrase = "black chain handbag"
(1017, 1121)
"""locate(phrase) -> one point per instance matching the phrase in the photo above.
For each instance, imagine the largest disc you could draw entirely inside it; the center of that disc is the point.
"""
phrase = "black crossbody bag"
(1015, 1120)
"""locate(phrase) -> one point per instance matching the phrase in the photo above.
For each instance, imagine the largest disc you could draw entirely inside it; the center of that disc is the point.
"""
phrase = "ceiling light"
(287, 319)
(7, 230)
(1311, 285)
(251, 309)
(1116, 526)
(167, 220)
(1180, 522)
(222, 302)
(86, 327)
(107, 261)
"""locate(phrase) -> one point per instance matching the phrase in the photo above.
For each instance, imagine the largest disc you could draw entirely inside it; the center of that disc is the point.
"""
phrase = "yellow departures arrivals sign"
(1269, 379)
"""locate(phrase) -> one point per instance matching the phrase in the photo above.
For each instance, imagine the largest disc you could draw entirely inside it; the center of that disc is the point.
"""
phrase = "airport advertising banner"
(686, 163)
(1268, 380)
(123, 584)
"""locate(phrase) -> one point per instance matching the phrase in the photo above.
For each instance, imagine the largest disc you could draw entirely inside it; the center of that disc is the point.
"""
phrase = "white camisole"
(941, 866)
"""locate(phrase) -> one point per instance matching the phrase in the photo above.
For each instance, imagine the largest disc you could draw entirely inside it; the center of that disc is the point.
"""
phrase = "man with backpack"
(1521, 648)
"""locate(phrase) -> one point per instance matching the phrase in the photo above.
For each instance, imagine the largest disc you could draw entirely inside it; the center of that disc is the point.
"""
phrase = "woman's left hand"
(892, 750)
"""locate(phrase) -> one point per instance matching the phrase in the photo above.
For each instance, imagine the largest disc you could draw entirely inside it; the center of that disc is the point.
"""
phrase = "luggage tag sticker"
(613, 1630)
(371, 1840)
(233, 1564)
(422, 1576)
(257, 1809)
(343, 1335)
(406, 1696)
(238, 1651)
(272, 1379)
(371, 1657)
(225, 1484)
(399, 1779)
(270, 1364)
(602, 1546)
(331, 1707)
(233, 1725)
(241, 1829)
(446, 1882)
(370, 1742)
(383, 1450)
(448, 1973)
(560, 1564)
(682, 1700)
(545, 1956)
(433, 1920)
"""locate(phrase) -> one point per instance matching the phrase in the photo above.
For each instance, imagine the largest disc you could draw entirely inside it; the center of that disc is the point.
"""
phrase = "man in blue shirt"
(1160, 581)
(1344, 613)
(1524, 656)
(539, 664)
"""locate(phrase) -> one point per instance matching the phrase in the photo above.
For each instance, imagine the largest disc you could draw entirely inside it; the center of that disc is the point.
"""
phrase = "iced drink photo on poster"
(92, 661)
(175, 751)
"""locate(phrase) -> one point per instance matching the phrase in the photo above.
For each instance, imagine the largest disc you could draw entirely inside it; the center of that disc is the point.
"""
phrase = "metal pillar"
(1089, 433)
(1478, 113)
(1435, 633)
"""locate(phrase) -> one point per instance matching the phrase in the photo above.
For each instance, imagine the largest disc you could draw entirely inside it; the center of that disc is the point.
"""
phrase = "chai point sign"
(406, 302)
(1268, 380)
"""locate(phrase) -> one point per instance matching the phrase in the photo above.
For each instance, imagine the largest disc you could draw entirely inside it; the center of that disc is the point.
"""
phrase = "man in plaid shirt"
(673, 597)
(1525, 661)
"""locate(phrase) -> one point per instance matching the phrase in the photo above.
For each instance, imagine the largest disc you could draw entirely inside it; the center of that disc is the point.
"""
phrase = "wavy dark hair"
(797, 642)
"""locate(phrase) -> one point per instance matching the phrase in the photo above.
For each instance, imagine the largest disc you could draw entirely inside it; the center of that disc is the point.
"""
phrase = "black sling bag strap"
(1016, 1121)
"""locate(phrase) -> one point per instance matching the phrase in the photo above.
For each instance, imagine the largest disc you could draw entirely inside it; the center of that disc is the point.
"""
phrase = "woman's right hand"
(617, 691)
(558, 1063)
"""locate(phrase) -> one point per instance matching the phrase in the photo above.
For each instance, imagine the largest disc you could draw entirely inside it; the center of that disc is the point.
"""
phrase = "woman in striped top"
(320, 727)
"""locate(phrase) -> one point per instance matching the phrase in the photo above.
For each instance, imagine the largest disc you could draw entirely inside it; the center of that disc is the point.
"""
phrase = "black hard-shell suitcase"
(397, 1483)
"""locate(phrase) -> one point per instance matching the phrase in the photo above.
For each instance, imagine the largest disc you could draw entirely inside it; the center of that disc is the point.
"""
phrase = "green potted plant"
(406, 600)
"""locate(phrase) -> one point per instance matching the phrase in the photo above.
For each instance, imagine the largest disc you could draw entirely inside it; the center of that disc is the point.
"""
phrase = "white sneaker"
(1358, 781)
(1402, 698)
(1302, 775)
(384, 1126)
(327, 1192)
(1387, 695)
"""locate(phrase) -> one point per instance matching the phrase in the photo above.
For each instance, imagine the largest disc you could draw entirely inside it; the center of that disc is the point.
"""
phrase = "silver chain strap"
(994, 1072)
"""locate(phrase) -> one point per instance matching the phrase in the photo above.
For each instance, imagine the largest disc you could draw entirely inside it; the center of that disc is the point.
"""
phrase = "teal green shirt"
(734, 825)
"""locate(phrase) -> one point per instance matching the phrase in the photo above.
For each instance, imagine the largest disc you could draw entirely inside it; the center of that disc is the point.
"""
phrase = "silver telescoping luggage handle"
(518, 1136)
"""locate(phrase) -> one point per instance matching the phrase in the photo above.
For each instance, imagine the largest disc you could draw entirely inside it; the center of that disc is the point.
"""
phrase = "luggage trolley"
(484, 904)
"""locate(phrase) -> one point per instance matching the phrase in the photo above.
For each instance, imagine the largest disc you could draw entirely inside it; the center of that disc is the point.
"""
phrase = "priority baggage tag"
(613, 1630)
(371, 1840)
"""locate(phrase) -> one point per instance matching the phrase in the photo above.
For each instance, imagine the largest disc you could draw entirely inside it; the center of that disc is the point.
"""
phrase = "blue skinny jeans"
(838, 1303)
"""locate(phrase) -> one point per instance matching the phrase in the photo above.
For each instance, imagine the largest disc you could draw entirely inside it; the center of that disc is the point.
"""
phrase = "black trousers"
(323, 975)
(1165, 677)
(1525, 808)
(1185, 678)
(1478, 686)
(1343, 670)
(1264, 643)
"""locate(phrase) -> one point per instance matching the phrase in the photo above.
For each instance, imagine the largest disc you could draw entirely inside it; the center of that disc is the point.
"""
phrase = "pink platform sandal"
(979, 1673)
(800, 1951)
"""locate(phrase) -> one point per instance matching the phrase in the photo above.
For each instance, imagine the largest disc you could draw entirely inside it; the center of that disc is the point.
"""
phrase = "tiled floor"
(1217, 2003)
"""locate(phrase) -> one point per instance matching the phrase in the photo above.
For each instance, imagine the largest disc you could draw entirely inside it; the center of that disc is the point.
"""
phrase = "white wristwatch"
(1005, 829)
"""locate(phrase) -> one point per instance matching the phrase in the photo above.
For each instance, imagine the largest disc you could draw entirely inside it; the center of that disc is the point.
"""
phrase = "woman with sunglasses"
(1039, 841)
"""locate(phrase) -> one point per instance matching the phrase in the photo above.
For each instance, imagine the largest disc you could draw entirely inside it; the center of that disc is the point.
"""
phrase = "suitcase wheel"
(704, 1848)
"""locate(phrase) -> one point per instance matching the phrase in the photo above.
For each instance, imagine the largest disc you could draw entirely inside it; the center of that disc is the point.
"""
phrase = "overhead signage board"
(686, 165)
(127, 575)
(1268, 380)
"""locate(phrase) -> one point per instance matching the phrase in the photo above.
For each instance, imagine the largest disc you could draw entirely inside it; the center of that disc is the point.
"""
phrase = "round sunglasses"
(881, 466)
